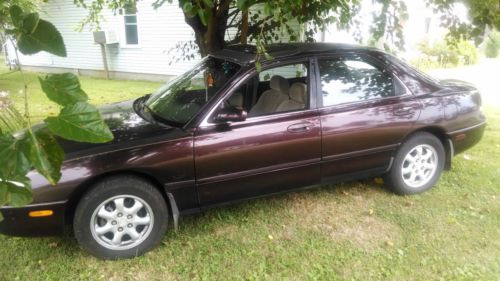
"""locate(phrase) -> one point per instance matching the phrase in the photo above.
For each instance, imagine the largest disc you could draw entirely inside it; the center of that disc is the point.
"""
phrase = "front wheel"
(120, 217)
(417, 165)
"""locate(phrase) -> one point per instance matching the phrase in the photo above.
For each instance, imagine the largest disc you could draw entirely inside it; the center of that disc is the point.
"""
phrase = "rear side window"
(346, 80)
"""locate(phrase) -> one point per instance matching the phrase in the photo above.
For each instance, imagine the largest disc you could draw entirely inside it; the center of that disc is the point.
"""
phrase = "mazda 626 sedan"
(224, 132)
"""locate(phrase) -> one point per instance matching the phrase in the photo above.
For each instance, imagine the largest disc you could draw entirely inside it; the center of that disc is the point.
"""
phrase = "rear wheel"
(418, 165)
(120, 217)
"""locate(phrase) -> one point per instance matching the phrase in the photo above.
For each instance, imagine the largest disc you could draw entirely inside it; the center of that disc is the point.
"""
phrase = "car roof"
(245, 54)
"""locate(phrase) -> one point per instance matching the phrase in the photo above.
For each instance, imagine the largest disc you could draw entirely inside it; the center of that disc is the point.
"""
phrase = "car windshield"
(181, 99)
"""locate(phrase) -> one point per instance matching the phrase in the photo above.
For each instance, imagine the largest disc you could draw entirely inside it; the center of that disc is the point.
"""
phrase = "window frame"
(124, 25)
(250, 73)
(366, 59)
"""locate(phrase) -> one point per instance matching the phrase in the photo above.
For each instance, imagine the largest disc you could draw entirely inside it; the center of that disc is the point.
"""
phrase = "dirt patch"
(344, 216)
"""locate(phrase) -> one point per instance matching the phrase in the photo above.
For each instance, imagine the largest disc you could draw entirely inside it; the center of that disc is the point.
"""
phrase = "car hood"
(129, 130)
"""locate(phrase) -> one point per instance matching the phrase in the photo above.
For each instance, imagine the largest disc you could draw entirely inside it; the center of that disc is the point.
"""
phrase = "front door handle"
(405, 110)
(300, 127)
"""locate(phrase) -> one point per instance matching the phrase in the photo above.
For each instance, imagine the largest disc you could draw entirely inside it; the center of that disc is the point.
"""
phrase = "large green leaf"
(17, 191)
(80, 122)
(45, 154)
(63, 89)
(20, 195)
(12, 158)
(30, 23)
(45, 38)
(16, 14)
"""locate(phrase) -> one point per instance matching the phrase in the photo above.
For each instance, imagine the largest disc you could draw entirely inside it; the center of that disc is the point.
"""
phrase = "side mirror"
(230, 114)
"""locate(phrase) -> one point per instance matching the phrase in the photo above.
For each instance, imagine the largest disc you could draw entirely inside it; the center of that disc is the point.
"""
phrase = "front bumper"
(17, 221)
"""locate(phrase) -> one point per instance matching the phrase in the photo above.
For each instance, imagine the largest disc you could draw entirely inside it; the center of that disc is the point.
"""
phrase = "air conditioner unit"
(106, 37)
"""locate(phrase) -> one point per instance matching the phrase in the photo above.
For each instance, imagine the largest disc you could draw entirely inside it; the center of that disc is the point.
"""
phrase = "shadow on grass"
(273, 205)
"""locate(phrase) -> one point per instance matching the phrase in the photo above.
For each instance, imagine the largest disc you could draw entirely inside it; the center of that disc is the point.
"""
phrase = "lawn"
(355, 231)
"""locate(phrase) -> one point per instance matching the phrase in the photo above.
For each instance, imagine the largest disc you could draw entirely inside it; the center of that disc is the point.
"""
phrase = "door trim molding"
(257, 171)
(359, 153)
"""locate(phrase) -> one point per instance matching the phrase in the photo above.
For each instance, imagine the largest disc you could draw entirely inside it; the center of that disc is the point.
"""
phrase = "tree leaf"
(244, 5)
(63, 89)
(258, 66)
(12, 158)
(20, 195)
(189, 9)
(209, 3)
(45, 154)
(16, 191)
(203, 14)
(30, 23)
(46, 37)
(80, 122)
(16, 14)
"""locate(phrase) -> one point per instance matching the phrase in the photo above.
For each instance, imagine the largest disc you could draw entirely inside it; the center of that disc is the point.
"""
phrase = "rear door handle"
(300, 127)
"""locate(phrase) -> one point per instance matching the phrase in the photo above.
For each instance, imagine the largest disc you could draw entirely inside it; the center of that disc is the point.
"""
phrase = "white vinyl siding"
(159, 31)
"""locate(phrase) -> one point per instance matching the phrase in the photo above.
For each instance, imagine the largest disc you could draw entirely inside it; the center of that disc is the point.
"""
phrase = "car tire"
(417, 166)
(121, 217)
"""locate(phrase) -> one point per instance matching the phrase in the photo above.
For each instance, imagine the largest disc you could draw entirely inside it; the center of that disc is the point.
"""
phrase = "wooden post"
(105, 60)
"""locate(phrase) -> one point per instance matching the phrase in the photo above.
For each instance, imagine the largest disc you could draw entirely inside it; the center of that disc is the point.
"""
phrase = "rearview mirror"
(230, 114)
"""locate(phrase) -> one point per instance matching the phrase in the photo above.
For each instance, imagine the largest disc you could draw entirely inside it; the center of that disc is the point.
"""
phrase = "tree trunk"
(244, 28)
(210, 38)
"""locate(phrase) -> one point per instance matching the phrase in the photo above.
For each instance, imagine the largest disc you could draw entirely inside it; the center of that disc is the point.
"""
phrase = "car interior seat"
(272, 98)
(297, 99)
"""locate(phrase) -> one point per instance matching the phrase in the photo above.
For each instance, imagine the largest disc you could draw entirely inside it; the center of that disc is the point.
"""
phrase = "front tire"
(121, 217)
(417, 166)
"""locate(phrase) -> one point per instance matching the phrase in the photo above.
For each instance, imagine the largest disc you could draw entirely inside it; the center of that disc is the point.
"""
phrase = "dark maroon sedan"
(223, 132)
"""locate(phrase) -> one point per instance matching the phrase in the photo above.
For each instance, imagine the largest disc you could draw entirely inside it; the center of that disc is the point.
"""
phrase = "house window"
(131, 31)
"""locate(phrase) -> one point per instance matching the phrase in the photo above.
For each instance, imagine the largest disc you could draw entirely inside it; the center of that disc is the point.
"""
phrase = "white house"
(145, 48)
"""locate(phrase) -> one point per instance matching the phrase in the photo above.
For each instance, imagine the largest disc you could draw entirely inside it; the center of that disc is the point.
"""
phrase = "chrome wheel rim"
(419, 166)
(122, 222)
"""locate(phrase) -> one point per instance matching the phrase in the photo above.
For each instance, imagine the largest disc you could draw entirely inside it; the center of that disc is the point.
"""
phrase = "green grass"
(354, 231)
(100, 91)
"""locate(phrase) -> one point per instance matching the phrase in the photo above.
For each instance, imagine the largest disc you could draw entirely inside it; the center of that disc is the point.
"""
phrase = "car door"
(261, 155)
(365, 113)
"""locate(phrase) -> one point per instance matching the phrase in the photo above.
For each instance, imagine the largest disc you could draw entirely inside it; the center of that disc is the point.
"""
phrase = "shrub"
(492, 45)
(442, 55)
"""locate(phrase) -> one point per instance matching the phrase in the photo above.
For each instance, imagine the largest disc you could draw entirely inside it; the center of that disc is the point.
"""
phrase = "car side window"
(287, 72)
(274, 90)
(350, 79)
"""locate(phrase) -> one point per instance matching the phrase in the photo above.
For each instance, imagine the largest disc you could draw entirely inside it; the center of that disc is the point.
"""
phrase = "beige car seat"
(297, 99)
(272, 98)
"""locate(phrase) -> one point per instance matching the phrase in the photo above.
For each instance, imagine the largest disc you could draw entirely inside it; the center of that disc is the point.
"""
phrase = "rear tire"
(417, 166)
(121, 217)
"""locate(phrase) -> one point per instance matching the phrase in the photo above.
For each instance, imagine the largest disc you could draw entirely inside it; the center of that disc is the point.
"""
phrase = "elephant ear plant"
(24, 147)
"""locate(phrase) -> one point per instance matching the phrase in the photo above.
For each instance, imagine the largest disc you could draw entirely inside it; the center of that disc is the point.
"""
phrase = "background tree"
(271, 20)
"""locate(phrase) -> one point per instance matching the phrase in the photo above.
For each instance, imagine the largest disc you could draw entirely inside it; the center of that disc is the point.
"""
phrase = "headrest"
(279, 83)
(298, 92)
